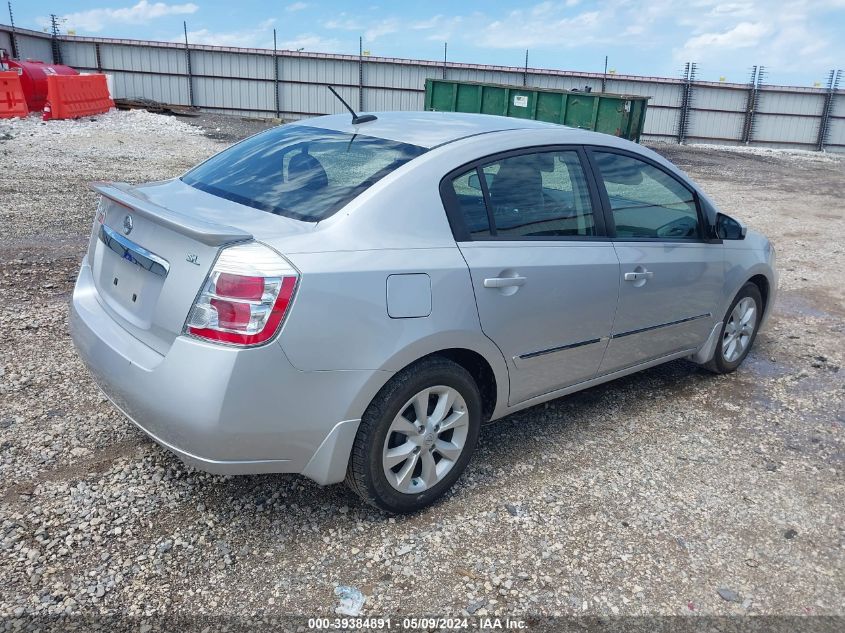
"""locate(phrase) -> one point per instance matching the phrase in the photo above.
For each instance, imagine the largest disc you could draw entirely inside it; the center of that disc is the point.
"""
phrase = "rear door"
(545, 276)
(671, 276)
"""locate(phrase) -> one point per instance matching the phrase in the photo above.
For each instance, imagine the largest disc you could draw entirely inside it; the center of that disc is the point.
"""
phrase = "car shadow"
(502, 444)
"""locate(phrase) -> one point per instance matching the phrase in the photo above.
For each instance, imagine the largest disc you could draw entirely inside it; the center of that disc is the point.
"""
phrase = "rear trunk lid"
(152, 247)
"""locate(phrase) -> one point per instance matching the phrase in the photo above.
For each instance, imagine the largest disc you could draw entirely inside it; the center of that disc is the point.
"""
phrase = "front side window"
(646, 202)
(543, 194)
(300, 172)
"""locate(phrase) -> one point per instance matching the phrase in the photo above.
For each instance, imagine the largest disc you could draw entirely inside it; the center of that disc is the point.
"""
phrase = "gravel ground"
(671, 492)
(222, 127)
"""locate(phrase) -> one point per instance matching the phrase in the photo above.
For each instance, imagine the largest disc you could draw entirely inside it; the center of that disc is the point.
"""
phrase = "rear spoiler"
(206, 232)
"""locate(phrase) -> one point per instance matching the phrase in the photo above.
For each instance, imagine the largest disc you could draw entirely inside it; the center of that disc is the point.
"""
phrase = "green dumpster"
(620, 115)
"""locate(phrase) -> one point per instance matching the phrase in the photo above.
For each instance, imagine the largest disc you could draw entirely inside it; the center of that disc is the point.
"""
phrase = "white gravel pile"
(56, 160)
(775, 152)
(130, 124)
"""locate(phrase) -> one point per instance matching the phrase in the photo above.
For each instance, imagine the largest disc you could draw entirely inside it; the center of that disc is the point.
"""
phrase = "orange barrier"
(12, 101)
(73, 96)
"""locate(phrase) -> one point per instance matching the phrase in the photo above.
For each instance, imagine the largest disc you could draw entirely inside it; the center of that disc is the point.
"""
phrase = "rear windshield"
(301, 172)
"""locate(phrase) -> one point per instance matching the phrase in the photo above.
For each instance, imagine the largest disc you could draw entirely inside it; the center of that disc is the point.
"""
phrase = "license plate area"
(129, 277)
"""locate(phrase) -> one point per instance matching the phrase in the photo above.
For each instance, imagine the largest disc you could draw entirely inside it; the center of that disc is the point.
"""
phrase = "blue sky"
(798, 41)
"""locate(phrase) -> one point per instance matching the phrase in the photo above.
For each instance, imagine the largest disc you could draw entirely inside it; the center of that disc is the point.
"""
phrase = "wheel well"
(482, 373)
(763, 285)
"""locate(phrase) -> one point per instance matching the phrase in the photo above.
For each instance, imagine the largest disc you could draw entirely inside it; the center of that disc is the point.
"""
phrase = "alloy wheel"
(425, 439)
(739, 329)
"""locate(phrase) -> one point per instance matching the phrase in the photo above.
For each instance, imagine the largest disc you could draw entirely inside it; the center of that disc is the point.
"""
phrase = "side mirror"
(729, 229)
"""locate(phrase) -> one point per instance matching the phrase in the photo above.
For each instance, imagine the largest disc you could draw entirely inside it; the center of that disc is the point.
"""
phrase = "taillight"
(245, 298)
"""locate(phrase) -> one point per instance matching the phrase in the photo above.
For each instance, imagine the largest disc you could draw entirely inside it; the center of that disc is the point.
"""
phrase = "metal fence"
(291, 85)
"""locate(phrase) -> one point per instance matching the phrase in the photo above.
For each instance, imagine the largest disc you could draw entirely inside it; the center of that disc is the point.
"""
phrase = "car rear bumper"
(221, 409)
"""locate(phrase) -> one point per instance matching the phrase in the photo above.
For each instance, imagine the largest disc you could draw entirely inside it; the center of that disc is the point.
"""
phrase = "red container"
(33, 76)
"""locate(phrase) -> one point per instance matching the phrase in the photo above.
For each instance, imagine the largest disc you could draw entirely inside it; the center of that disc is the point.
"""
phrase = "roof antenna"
(355, 118)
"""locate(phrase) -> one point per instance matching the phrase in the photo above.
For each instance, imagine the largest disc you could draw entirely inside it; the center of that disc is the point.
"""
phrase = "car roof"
(426, 129)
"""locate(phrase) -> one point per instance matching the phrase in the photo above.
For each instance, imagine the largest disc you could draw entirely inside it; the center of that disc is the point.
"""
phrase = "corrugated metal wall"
(31, 44)
(243, 81)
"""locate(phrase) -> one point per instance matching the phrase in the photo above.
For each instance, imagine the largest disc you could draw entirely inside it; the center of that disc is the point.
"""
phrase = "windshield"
(300, 172)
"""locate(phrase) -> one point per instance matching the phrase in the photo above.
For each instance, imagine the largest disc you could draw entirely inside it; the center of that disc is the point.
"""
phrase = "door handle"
(646, 274)
(504, 282)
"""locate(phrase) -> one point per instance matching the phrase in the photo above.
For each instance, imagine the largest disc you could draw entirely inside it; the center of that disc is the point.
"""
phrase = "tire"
(725, 358)
(384, 437)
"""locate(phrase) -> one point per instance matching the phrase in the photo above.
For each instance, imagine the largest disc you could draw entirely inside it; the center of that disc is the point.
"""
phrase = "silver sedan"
(352, 301)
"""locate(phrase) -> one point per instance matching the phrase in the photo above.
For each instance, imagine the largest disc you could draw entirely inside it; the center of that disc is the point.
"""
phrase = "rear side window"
(646, 202)
(543, 194)
(470, 201)
(300, 172)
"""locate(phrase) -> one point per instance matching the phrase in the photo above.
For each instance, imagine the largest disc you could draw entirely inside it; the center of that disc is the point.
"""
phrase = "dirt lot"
(669, 492)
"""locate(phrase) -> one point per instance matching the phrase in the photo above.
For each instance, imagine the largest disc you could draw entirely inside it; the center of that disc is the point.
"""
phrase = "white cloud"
(733, 9)
(260, 36)
(441, 28)
(371, 31)
(344, 23)
(312, 42)
(382, 28)
(743, 35)
(430, 23)
(724, 36)
(798, 37)
(297, 6)
(543, 25)
(95, 20)
(647, 25)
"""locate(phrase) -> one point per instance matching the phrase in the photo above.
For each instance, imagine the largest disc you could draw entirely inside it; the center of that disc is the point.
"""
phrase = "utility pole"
(15, 50)
(686, 101)
(276, 75)
(750, 106)
(604, 76)
(360, 74)
(525, 72)
(188, 64)
(824, 125)
(445, 49)
(54, 39)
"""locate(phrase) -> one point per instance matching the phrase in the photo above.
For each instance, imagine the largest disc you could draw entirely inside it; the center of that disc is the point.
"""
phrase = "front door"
(671, 278)
(545, 276)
